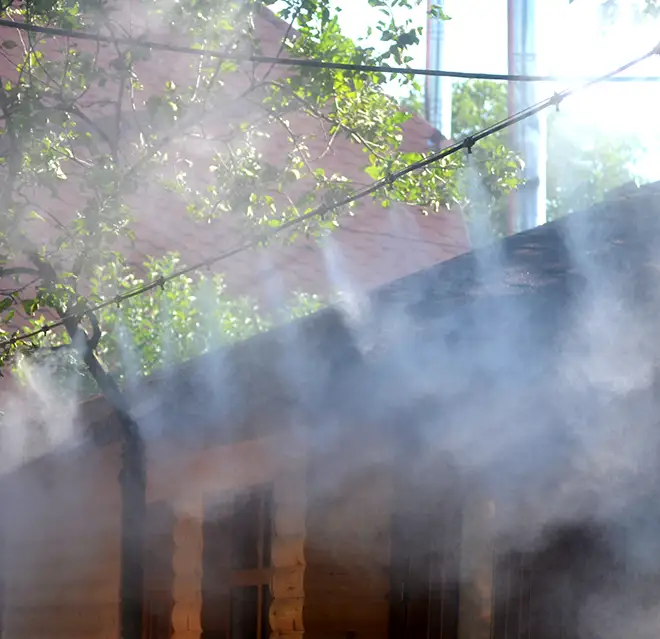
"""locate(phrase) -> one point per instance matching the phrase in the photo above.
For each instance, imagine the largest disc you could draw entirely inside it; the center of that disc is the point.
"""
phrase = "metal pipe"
(427, 92)
(530, 135)
(511, 200)
(438, 94)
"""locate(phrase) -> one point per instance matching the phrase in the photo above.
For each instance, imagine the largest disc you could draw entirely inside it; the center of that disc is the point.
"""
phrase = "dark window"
(244, 612)
(424, 566)
(237, 550)
(245, 532)
(539, 594)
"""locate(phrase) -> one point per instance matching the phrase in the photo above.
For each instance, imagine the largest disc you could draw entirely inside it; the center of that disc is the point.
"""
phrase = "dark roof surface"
(504, 312)
(531, 366)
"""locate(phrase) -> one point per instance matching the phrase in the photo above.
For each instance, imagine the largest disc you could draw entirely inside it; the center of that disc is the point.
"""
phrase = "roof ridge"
(270, 16)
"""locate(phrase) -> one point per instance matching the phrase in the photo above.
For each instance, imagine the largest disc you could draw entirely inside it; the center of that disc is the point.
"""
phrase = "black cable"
(325, 209)
(305, 63)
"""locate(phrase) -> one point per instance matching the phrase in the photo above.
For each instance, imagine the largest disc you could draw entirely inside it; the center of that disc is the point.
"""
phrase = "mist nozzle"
(557, 99)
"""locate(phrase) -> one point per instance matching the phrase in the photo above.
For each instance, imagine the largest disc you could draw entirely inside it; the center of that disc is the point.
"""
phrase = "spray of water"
(544, 410)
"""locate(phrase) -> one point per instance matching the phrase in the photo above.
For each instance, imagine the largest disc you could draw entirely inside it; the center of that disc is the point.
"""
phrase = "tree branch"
(314, 111)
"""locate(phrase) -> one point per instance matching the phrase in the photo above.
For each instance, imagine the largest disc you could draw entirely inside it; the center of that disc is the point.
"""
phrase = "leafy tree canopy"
(192, 315)
(582, 163)
(92, 131)
(647, 8)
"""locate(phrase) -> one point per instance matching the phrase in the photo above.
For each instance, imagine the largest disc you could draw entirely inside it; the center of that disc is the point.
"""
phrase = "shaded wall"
(383, 537)
(62, 542)
(347, 551)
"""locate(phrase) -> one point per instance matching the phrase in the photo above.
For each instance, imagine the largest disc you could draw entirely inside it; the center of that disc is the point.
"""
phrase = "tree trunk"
(132, 476)
(133, 503)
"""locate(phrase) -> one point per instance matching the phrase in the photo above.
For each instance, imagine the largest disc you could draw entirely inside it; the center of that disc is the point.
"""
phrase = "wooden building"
(472, 455)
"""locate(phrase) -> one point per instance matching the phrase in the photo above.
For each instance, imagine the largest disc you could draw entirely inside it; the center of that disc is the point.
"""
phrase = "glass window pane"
(268, 525)
(245, 532)
(244, 609)
(265, 609)
(216, 574)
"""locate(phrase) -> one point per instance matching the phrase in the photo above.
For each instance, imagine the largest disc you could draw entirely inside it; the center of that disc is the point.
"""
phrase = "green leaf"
(30, 306)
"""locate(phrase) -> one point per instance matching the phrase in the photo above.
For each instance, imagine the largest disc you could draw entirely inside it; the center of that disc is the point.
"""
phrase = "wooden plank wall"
(347, 550)
(227, 469)
(187, 577)
(62, 548)
(288, 557)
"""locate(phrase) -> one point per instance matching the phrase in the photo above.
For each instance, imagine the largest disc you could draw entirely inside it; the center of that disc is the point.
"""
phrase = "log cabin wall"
(288, 559)
(384, 537)
(187, 573)
(158, 570)
(347, 550)
(477, 554)
(62, 526)
(214, 477)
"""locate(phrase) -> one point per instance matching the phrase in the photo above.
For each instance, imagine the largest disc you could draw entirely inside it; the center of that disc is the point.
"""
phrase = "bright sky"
(573, 41)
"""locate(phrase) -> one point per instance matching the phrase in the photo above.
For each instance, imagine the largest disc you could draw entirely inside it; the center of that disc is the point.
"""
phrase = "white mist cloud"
(39, 416)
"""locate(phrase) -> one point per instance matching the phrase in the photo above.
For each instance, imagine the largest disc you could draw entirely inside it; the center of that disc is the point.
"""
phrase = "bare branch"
(289, 29)
(313, 110)
(119, 102)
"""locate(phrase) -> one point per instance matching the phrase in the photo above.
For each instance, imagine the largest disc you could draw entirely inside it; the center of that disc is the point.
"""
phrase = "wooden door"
(216, 579)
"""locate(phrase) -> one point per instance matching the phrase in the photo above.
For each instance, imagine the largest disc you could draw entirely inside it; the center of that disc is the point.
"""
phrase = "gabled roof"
(494, 321)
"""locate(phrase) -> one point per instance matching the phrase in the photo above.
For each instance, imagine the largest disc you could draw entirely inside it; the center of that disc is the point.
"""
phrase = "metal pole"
(530, 135)
(511, 212)
(438, 89)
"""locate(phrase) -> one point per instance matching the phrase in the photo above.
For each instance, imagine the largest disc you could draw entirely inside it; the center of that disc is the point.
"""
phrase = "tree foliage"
(191, 316)
(413, 103)
(91, 132)
(647, 8)
(582, 162)
(476, 105)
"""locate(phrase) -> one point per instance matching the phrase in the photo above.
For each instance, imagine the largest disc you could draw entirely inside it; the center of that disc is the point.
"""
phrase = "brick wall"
(62, 547)
(375, 247)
